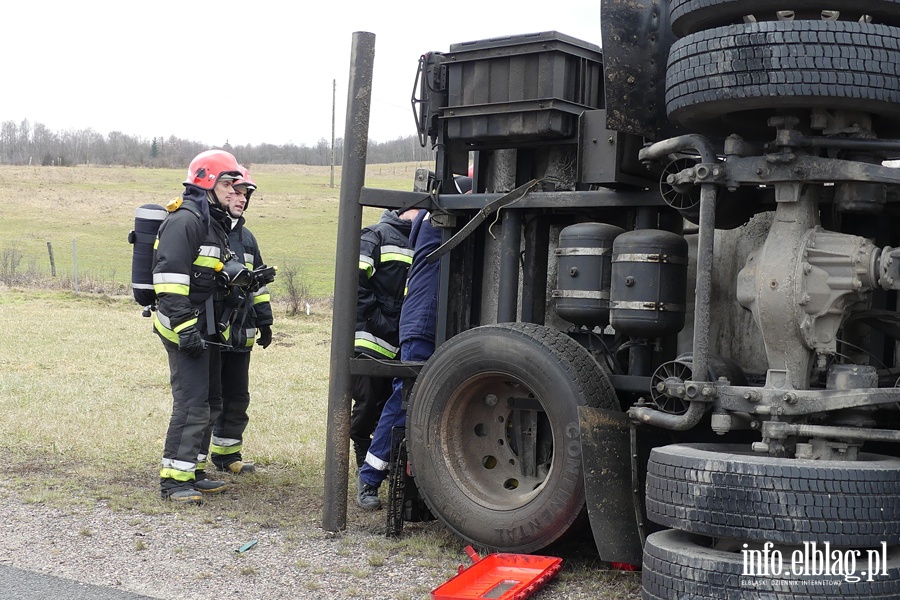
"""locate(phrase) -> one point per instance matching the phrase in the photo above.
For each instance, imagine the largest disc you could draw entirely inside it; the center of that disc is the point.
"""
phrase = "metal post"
(534, 272)
(333, 105)
(356, 137)
(646, 218)
(52, 262)
(510, 245)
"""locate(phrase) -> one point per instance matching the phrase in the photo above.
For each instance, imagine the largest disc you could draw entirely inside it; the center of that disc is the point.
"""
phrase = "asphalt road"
(16, 584)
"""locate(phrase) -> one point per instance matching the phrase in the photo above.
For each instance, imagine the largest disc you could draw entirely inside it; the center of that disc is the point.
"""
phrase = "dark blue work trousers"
(375, 469)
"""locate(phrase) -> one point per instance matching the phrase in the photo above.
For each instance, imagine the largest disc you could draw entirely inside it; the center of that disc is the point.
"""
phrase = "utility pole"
(333, 94)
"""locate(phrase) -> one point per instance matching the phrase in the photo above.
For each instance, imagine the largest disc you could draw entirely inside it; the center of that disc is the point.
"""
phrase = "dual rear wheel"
(494, 432)
(725, 503)
(737, 64)
(740, 62)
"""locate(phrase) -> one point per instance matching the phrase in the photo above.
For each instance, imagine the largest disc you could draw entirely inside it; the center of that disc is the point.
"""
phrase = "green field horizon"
(83, 215)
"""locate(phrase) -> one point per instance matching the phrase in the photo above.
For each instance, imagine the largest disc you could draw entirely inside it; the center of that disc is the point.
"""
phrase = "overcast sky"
(246, 72)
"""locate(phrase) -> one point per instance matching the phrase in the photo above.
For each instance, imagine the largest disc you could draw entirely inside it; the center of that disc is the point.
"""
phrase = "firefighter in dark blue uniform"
(384, 259)
(190, 251)
(254, 316)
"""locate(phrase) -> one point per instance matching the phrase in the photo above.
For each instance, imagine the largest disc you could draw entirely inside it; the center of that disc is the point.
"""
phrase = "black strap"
(142, 238)
(486, 211)
(233, 309)
(210, 317)
(192, 208)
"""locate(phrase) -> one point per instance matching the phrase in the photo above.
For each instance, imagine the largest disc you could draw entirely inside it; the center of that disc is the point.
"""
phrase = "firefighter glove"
(191, 342)
(265, 336)
(262, 275)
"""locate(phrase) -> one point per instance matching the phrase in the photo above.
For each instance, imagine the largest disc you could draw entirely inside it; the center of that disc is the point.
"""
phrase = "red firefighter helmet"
(245, 180)
(208, 167)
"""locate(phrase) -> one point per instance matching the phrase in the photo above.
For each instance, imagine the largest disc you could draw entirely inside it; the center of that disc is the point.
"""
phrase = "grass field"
(86, 381)
(85, 214)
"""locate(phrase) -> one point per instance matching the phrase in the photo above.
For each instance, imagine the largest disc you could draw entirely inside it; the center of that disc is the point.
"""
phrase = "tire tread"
(701, 489)
(770, 65)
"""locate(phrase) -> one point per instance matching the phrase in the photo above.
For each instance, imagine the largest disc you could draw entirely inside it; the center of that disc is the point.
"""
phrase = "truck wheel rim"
(499, 441)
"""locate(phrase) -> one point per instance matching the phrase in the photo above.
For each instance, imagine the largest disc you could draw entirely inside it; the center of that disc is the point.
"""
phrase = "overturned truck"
(669, 307)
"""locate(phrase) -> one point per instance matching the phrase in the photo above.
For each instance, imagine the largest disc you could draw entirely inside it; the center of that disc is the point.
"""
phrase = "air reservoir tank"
(584, 273)
(649, 277)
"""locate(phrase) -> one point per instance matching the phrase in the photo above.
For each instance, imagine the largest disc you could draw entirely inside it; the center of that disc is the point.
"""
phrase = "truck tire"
(728, 491)
(494, 433)
(678, 564)
(732, 79)
(691, 16)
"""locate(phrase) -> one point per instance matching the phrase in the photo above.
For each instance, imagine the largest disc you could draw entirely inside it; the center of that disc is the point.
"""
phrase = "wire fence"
(88, 266)
(81, 265)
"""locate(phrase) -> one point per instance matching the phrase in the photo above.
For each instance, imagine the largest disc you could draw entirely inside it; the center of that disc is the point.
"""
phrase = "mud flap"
(606, 458)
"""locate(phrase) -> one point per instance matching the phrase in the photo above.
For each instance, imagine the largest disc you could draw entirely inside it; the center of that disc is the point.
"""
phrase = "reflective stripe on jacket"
(384, 260)
(186, 255)
(258, 311)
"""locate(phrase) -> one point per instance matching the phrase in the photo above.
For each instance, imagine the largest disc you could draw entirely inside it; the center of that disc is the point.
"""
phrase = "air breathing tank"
(147, 219)
(583, 275)
(649, 280)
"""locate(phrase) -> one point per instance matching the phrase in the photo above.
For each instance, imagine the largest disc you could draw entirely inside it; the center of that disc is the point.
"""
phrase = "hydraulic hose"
(682, 143)
(650, 416)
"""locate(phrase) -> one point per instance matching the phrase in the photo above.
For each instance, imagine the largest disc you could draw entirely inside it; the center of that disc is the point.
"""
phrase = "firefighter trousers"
(369, 396)
(196, 401)
(228, 431)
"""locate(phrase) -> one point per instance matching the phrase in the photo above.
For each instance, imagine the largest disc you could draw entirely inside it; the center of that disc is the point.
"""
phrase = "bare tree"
(35, 144)
(8, 140)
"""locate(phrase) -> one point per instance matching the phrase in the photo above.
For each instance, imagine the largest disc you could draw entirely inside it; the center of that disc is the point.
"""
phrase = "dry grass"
(84, 384)
(92, 383)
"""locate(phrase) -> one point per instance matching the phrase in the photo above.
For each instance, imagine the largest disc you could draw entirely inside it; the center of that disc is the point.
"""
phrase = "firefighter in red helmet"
(189, 255)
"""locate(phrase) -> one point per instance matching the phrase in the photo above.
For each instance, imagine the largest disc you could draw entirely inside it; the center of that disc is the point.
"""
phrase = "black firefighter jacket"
(190, 245)
(257, 311)
(384, 259)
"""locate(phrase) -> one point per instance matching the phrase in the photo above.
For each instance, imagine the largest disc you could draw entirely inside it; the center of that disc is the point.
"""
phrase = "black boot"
(180, 493)
(208, 486)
